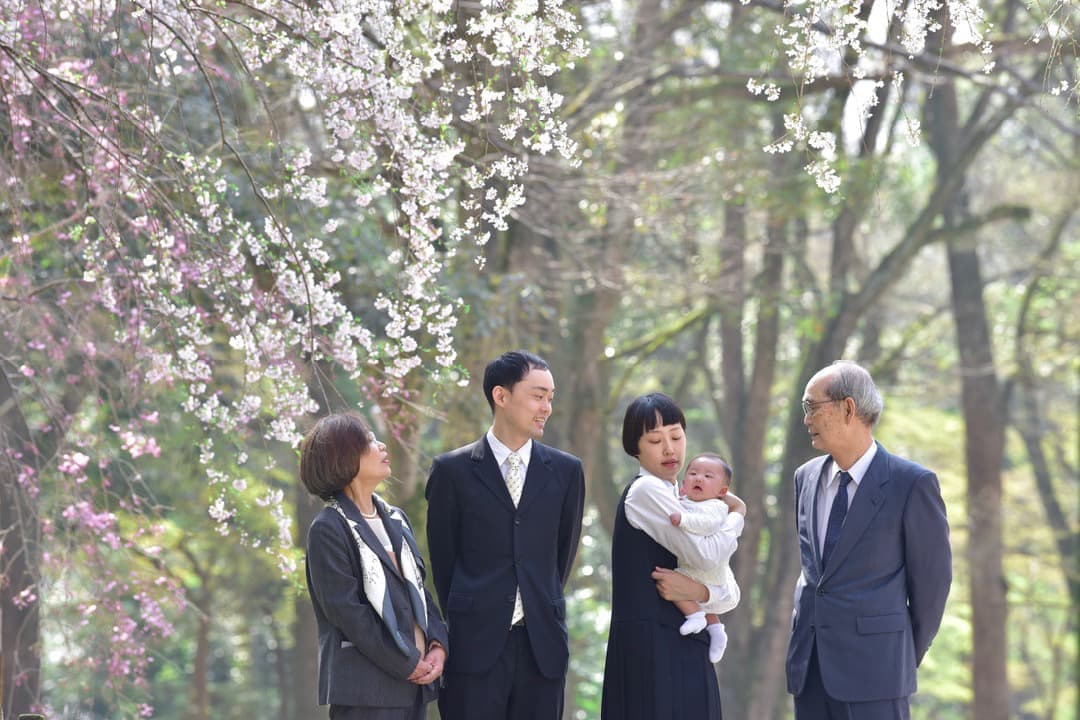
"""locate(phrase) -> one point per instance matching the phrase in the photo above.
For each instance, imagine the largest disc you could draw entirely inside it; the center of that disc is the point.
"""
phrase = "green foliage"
(238, 589)
(666, 160)
(588, 616)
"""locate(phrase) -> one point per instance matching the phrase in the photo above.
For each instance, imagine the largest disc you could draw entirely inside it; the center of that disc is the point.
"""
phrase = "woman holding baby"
(652, 671)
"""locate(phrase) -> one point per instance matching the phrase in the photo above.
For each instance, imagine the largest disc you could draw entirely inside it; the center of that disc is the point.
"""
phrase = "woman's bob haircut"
(646, 413)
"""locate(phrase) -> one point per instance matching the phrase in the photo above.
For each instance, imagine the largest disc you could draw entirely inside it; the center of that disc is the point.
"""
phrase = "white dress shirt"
(502, 453)
(649, 505)
(829, 485)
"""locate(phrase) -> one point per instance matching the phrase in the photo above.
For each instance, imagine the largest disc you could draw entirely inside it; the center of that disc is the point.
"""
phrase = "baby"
(707, 509)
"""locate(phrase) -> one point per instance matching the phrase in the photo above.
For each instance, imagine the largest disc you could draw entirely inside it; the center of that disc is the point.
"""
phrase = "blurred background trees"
(676, 255)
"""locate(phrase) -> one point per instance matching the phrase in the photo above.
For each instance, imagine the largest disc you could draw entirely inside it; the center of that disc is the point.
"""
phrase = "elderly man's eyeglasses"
(809, 407)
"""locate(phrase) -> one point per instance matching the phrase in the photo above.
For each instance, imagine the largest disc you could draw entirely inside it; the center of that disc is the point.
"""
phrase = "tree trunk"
(1066, 540)
(782, 570)
(200, 681)
(305, 658)
(592, 307)
(587, 398)
(1031, 423)
(744, 416)
(283, 676)
(731, 291)
(20, 560)
(984, 435)
(984, 420)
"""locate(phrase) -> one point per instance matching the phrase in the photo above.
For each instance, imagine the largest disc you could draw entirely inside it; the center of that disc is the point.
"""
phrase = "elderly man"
(876, 563)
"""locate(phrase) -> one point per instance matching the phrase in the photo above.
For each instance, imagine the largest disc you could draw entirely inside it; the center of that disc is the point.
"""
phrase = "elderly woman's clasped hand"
(430, 667)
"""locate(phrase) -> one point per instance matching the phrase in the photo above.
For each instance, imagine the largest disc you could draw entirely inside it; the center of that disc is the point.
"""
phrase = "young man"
(504, 519)
(876, 563)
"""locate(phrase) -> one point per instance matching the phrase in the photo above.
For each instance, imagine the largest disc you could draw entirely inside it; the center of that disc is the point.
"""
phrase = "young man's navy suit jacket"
(482, 548)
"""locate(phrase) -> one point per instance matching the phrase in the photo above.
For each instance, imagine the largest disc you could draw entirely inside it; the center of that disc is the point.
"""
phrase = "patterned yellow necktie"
(515, 477)
(515, 482)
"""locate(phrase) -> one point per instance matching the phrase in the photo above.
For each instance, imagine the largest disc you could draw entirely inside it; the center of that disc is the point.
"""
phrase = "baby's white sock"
(695, 622)
(717, 642)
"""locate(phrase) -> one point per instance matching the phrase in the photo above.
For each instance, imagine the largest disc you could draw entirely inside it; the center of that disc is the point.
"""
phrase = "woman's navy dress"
(651, 671)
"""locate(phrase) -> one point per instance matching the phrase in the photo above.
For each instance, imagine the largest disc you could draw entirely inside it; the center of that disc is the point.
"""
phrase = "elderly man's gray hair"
(849, 379)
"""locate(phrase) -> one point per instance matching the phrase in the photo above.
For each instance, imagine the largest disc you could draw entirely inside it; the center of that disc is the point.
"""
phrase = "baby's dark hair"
(713, 456)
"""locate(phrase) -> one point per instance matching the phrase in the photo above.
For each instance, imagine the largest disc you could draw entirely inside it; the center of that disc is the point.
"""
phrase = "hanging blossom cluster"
(112, 609)
(820, 36)
(149, 247)
(823, 143)
(400, 108)
(131, 604)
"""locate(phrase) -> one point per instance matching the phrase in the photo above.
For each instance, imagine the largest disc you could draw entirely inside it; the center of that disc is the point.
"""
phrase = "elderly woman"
(382, 643)
(652, 672)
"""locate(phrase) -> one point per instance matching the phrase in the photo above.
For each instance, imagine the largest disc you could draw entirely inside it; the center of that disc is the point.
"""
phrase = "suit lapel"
(537, 475)
(868, 500)
(489, 474)
(808, 505)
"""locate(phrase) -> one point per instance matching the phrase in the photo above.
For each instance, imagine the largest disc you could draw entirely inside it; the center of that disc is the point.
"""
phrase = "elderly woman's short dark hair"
(330, 453)
(646, 413)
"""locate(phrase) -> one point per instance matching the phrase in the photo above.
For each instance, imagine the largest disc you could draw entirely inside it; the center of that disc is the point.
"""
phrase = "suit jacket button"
(510, 598)
(517, 521)
(821, 591)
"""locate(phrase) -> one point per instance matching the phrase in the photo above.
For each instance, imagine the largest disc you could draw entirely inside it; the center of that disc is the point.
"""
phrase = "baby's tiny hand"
(676, 518)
